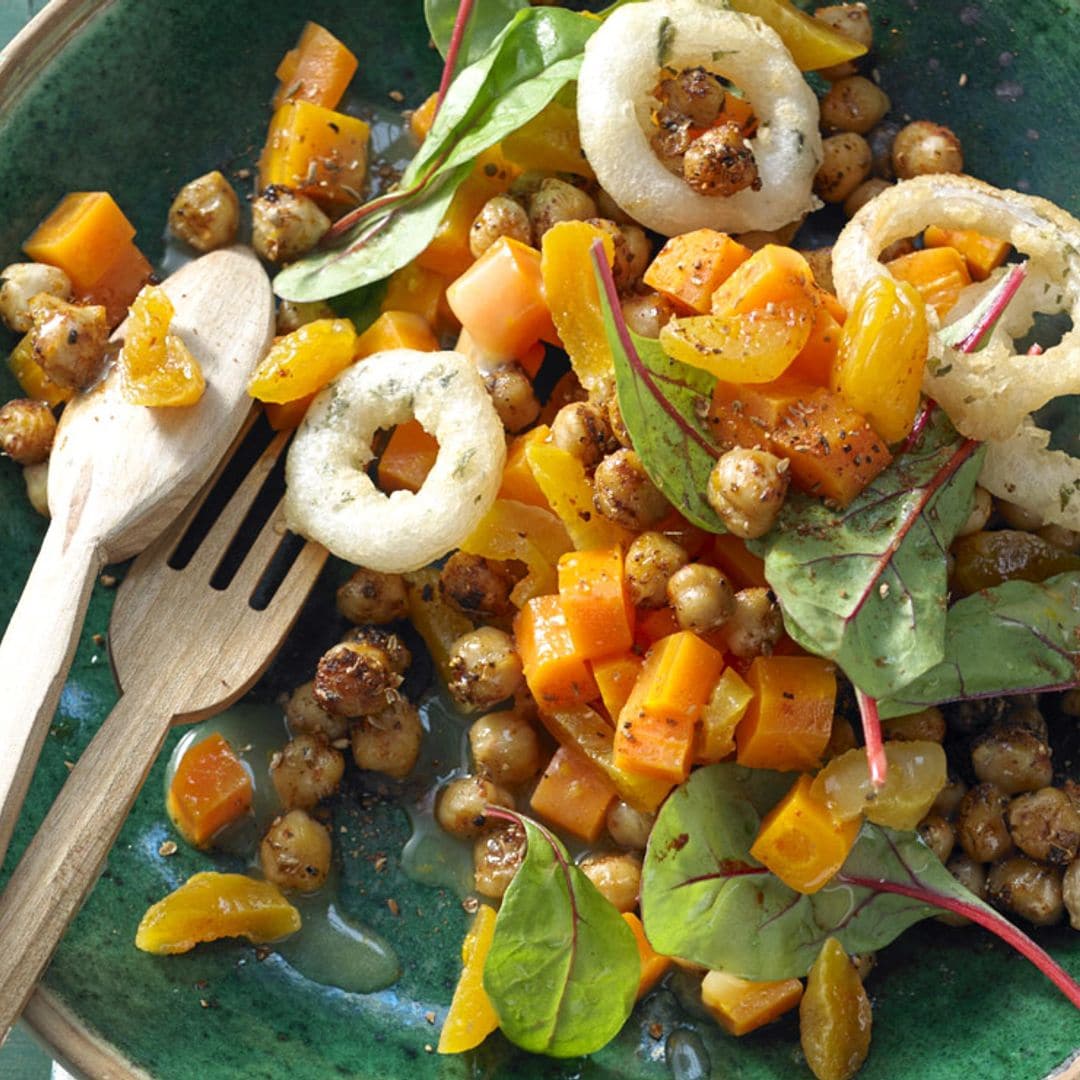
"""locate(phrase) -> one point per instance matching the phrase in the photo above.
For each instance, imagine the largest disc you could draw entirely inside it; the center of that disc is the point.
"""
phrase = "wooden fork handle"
(35, 655)
(66, 855)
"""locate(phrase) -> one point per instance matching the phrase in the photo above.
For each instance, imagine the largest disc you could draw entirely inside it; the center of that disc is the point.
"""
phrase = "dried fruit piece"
(834, 1016)
(156, 367)
(304, 361)
(209, 789)
(471, 1017)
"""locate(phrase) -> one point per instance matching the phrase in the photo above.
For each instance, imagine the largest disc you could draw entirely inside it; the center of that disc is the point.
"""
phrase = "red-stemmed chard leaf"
(705, 899)
(971, 332)
(457, 35)
(875, 749)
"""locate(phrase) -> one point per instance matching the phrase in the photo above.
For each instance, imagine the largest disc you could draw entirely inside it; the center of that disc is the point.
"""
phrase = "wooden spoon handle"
(66, 855)
(35, 655)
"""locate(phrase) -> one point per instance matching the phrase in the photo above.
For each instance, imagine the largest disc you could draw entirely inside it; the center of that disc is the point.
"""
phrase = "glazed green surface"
(156, 92)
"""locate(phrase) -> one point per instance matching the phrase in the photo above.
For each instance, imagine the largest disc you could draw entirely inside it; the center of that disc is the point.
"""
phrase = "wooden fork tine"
(297, 583)
(261, 551)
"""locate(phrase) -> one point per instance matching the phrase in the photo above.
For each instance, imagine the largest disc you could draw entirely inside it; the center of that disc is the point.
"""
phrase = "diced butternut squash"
(555, 671)
(653, 966)
(439, 624)
(655, 730)
(727, 704)
(500, 299)
(421, 119)
(616, 676)
(800, 842)
(209, 790)
(423, 292)
(318, 70)
(471, 1017)
(812, 43)
(788, 721)
(654, 624)
(31, 376)
(117, 288)
(773, 278)
(815, 360)
(739, 1005)
(689, 268)
(318, 152)
(573, 795)
(982, 253)
(286, 415)
(518, 482)
(407, 458)
(303, 362)
(939, 275)
(596, 602)
(745, 569)
(549, 142)
(396, 330)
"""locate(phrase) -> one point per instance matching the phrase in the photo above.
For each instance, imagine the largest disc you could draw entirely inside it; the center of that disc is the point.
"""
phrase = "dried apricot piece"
(156, 367)
(834, 1016)
(304, 361)
(471, 1017)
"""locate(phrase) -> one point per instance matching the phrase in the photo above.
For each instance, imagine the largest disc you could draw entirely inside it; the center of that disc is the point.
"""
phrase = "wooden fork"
(182, 651)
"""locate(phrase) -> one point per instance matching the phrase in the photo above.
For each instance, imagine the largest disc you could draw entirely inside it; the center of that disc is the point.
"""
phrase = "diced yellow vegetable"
(471, 1018)
(739, 1005)
(813, 44)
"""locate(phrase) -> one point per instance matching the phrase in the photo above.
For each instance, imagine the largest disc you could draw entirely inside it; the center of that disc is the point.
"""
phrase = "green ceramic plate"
(138, 96)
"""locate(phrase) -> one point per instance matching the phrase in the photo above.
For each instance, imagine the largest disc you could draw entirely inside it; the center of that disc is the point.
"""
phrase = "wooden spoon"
(118, 475)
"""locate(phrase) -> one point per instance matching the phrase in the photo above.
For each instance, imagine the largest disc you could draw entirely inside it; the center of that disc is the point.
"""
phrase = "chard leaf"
(971, 332)
(486, 22)
(1018, 637)
(563, 968)
(664, 404)
(866, 586)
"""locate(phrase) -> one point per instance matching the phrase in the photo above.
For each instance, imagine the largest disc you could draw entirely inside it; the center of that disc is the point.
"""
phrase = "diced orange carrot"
(653, 966)
(745, 569)
(773, 277)
(423, 292)
(655, 730)
(727, 704)
(556, 673)
(689, 268)
(318, 152)
(421, 119)
(31, 376)
(396, 330)
(518, 482)
(318, 70)
(408, 458)
(471, 1017)
(737, 110)
(654, 624)
(739, 1005)
(616, 676)
(286, 415)
(573, 795)
(815, 361)
(596, 602)
(982, 253)
(938, 273)
(789, 719)
(209, 789)
(800, 842)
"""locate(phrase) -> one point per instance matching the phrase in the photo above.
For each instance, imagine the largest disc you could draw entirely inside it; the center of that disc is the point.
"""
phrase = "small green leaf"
(486, 22)
(563, 968)
(971, 332)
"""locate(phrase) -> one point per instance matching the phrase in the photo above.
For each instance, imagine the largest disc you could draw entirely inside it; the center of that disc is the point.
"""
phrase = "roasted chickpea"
(20, 283)
(476, 586)
(1025, 888)
(371, 597)
(628, 826)
(1070, 702)
(627, 263)
(607, 207)
(206, 213)
(720, 162)
(982, 506)
(484, 668)
(1045, 825)
(388, 741)
(980, 824)
(702, 597)
(881, 140)
(845, 165)
(853, 104)
(513, 396)
(305, 716)
(397, 652)
(938, 835)
(970, 874)
(646, 313)
(285, 224)
(624, 493)
(69, 340)
(617, 877)
(501, 215)
(755, 625)
(852, 20)
(820, 260)
(581, 428)
(36, 478)
(295, 852)
(747, 488)
(650, 561)
(867, 190)
(1012, 757)
(505, 747)
(637, 251)
(924, 147)
(554, 201)
(355, 679)
(927, 725)
(1018, 517)
(694, 93)
(306, 771)
(461, 805)
(292, 314)
(1070, 893)
(497, 854)
(27, 429)
(1059, 536)
(617, 424)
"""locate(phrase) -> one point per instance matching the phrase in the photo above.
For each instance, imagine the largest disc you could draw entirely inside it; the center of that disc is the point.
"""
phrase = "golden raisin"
(834, 1016)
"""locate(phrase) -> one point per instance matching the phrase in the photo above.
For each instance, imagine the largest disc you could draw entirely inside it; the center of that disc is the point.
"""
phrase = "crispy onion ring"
(621, 68)
(987, 394)
(330, 497)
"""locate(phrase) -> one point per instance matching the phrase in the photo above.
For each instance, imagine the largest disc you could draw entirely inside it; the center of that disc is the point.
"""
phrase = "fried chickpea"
(285, 224)
(69, 340)
(371, 597)
(206, 212)
(27, 430)
(646, 313)
(1013, 758)
(694, 93)
(617, 424)
(638, 251)
(355, 679)
(500, 216)
(484, 668)
(505, 747)
(628, 826)
(461, 804)
(292, 314)
(627, 266)
(970, 874)
(397, 652)
(305, 771)
(720, 162)
(845, 165)
(1070, 893)
(475, 585)
(20, 283)
(36, 479)
(980, 824)
(702, 597)
(852, 20)
(755, 625)
(623, 492)
(927, 725)
(938, 835)
(650, 561)
(388, 741)
(1025, 888)
(854, 104)
(881, 141)
(867, 190)
(1025, 713)
(1045, 825)
(581, 428)
(305, 716)
(295, 852)
(982, 506)
(497, 854)
(554, 201)
(924, 147)
(617, 877)
(513, 396)
(747, 489)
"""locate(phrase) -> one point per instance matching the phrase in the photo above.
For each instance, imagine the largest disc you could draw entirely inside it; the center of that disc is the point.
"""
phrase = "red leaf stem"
(990, 316)
(871, 725)
(461, 20)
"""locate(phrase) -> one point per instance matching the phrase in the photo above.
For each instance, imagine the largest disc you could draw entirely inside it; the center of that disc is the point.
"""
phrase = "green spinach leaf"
(563, 968)
(1019, 637)
(866, 586)
(486, 21)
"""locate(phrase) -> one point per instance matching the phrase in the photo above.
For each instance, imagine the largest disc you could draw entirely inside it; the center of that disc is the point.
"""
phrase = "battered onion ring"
(987, 394)
(621, 68)
(331, 499)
